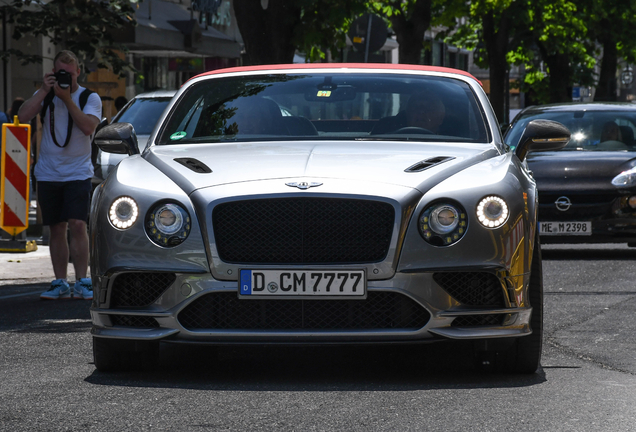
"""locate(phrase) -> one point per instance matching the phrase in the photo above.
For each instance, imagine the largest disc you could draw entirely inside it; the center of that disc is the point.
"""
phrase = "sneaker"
(59, 290)
(83, 289)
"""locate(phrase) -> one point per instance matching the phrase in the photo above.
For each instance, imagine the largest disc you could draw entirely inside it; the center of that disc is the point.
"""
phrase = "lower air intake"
(381, 310)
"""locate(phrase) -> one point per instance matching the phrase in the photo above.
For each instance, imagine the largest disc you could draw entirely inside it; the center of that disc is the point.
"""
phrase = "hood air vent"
(195, 165)
(428, 163)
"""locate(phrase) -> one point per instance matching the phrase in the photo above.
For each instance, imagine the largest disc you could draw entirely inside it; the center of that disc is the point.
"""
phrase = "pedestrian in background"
(120, 102)
(64, 169)
(15, 107)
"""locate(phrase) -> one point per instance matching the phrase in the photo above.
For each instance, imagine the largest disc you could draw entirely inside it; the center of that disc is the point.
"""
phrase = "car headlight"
(443, 223)
(492, 211)
(123, 212)
(168, 224)
(625, 179)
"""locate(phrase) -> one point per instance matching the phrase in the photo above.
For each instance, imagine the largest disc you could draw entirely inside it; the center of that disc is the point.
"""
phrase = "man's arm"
(86, 122)
(31, 107)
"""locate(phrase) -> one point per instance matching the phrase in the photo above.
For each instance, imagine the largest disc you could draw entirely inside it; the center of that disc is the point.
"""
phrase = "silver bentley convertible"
(320, 204)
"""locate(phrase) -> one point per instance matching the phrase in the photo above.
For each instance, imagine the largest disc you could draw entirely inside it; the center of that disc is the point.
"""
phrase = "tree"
(409, 19)
(273, 30)
(494, 28)
(560, 36)
(611, 24)
(82, 26)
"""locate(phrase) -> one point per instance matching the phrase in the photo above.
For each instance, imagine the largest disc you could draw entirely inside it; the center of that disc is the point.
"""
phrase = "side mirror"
(542, 135)
(118, 138)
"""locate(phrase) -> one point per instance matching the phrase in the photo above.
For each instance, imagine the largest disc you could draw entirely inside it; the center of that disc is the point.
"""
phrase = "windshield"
(143, 113)
(591, 130)
(326, 106)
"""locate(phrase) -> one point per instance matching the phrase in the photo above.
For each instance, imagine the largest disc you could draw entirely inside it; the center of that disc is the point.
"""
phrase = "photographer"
(70, 115)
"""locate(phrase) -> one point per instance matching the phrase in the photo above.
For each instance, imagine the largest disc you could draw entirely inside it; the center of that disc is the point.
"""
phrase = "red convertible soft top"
(300, 66)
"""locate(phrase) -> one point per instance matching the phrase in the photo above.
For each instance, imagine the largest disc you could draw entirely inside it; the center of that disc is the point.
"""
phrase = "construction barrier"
(15, 184)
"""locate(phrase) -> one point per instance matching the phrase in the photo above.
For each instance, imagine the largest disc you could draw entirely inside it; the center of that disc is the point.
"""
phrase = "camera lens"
(63, 78)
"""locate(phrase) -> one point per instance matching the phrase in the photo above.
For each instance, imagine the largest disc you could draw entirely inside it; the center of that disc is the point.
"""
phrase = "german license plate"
(565, 228)
(313, 283)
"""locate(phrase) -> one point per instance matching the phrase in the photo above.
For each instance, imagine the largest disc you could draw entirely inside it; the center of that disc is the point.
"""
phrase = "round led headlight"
(168, 224)
(443, 224)
(123, 212)
(492, 212)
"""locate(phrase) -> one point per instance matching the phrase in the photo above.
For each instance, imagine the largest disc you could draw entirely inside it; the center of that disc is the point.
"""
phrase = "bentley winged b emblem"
(303, 185)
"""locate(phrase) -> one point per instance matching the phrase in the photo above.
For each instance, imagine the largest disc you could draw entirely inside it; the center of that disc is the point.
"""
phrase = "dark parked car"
(587, 190)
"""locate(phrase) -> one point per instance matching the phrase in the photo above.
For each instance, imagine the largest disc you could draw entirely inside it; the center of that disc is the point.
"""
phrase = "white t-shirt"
(72, 162)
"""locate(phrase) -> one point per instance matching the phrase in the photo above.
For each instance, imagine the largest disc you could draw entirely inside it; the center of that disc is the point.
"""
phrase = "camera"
(63, 78)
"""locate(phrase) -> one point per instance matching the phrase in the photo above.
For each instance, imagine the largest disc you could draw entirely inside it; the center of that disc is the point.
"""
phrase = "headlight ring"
(443, 223)
(168, 224)
(492, 211)
(123, 212)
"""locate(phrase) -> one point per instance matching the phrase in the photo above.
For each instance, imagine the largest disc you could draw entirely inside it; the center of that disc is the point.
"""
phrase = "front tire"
(527, 350)
(524, 354)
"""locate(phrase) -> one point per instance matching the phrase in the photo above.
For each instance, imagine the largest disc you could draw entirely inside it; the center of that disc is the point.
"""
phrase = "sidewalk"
(21, 268)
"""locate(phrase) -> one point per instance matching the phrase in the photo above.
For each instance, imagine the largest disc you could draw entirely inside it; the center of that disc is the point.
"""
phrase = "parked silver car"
(142, 112)
(386, 208)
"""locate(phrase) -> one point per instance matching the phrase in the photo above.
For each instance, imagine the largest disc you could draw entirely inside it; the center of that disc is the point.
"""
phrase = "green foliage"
(324, 24)
(82, 26)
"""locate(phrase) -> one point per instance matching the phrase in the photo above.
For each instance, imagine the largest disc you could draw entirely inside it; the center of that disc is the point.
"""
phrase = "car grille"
(583, 206)
(139, 289)
(478, 320)
(134, 321)
(380, 310)
(303, 231)
(472, 288)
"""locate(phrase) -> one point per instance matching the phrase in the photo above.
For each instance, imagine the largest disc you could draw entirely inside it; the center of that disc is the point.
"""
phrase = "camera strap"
(69, 128)
(48, 103)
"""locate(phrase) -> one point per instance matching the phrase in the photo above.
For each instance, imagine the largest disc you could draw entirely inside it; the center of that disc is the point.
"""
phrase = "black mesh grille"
(381, 310)
(478, 320)
(303, 231)
(134, 321)
(472, 288)
(139, 289)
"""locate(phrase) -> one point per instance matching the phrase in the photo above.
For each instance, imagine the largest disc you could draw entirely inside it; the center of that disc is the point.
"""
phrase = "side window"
(628, 131)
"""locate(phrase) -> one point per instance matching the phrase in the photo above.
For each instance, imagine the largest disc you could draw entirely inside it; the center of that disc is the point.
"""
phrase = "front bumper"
(410, 307)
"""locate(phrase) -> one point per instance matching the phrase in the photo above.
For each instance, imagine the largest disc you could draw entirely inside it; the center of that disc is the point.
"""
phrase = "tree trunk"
(410, 31)
(560, 78)
(496, 40)
(267, 33)
(606, 87)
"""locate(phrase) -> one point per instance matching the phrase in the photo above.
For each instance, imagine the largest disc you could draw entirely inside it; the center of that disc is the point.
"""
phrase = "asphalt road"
(587, 381)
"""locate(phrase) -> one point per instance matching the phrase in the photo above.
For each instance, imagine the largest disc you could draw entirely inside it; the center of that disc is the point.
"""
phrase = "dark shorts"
(61, 201)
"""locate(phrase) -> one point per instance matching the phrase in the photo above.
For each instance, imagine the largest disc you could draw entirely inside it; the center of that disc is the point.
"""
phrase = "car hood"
(370, 161)
(584, 171)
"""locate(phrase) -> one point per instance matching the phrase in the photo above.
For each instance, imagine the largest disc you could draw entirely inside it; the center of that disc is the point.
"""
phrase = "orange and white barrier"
(14, 177)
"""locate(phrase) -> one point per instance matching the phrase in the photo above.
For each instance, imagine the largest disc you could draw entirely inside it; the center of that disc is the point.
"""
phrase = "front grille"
(134, 321)
(303, 231)
(472, 288)
(478, 320)
(583, 207)
(380, 310)
(139, 289)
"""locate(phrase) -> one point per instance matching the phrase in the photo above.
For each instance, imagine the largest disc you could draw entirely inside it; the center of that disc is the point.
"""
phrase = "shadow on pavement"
(26, 313)
(330, 368)
(588, 254)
